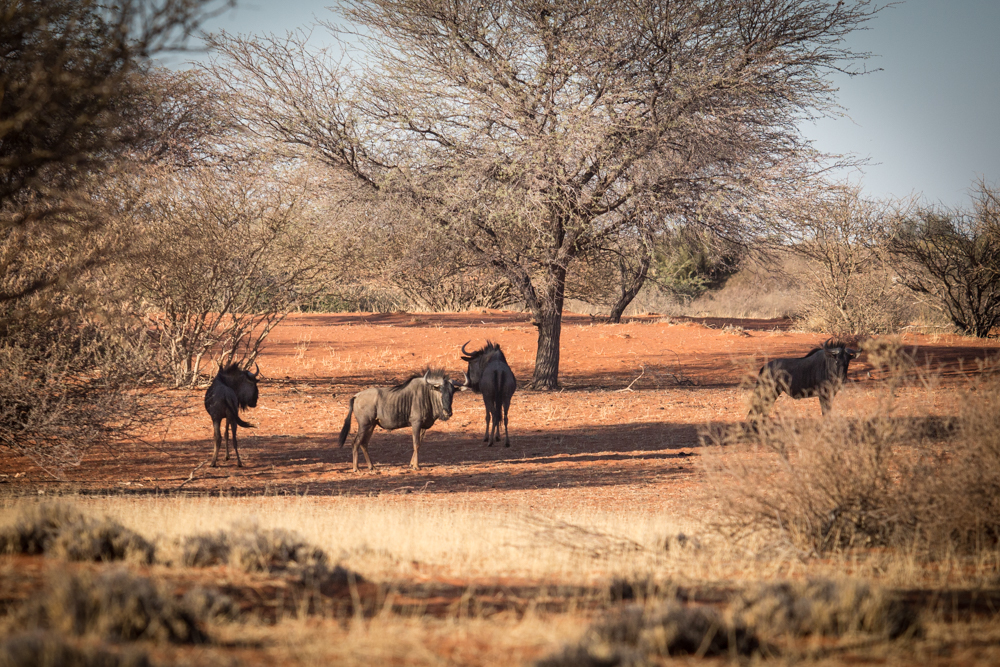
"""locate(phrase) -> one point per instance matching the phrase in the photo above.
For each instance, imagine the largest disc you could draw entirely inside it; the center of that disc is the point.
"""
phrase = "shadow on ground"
(594, 456)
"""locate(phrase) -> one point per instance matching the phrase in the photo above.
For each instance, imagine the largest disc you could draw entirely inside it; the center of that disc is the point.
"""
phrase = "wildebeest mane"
(489, 348)
(829, 344)
(435, 373)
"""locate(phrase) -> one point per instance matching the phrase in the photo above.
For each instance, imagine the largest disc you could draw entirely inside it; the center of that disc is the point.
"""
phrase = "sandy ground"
(624, 428)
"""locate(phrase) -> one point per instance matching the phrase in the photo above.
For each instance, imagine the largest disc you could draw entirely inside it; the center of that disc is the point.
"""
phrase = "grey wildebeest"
(417, 403)
(490, 375)
(819, 373)
(232, 390)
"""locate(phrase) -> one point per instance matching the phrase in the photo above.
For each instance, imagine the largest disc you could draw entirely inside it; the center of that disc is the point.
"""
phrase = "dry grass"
(113, 605)
(62, 530)
(44, 649)
(872, 478)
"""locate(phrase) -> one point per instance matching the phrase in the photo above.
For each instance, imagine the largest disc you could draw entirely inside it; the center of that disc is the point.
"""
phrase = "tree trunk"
(629, 291)
(548, 319)
(547, 357)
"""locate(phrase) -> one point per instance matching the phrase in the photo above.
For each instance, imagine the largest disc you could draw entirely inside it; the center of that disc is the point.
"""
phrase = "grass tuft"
(638, 635)
(114, 605)
(42, 649)
(62, 530)
(826, 608)
(254, 549)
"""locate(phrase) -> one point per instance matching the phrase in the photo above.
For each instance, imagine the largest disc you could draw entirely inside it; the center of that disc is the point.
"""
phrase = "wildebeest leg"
(218, 441)
(418, 434)
(825, 396)
(495, 434)
(361, 440)
(239, 464)
(506, 435)
(486, 436)
(229, 424)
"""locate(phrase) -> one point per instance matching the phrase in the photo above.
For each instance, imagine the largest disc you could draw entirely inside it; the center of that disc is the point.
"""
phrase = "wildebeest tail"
(347, 424)
(497, 408)
(233, 406)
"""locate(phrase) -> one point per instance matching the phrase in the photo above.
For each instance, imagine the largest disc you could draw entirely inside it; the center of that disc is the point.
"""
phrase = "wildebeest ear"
(851, 352)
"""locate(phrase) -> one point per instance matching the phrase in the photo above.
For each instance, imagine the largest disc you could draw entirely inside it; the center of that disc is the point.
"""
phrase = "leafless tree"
(953, 259)
(524, 127)
(71, 83)
(851, 282)
(611, 274)
(68, 84)
(219, 257)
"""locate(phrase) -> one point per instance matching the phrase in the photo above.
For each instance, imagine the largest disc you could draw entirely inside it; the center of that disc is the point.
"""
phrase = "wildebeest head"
(838, 358)
(439, 383)
(478, 360)
(243, 382)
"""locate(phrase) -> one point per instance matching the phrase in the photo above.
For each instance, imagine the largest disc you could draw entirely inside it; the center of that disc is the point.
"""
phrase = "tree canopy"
(534, 130)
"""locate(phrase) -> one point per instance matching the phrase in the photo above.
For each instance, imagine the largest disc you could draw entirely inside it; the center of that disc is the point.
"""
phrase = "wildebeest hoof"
(506, 444)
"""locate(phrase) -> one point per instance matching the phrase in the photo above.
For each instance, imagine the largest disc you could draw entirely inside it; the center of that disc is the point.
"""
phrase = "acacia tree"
(851, 279)
(70, 84)
(525, 127)
(611, 274)
(953, 259)
(70, 80)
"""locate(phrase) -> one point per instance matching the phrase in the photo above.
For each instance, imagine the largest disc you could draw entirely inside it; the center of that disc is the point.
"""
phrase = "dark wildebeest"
(489, 374)
(418, 403)
(232, 390)
(820, 373)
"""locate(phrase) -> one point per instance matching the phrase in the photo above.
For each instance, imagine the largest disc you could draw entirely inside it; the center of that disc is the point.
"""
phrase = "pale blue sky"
(929, 122)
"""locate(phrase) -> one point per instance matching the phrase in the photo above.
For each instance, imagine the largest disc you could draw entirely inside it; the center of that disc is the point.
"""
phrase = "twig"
(191, 476)
(629, 387)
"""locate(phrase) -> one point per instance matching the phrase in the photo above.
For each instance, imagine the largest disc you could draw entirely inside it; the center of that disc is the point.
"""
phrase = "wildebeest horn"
(257, 372)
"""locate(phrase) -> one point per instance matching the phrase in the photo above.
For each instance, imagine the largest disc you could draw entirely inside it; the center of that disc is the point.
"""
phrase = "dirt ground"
(624, 427)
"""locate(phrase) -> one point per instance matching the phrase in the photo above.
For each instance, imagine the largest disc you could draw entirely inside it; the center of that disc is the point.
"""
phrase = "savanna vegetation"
(615, 159)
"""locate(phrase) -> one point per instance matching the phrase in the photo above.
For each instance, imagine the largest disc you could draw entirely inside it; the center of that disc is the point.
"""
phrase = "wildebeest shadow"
(450, 461)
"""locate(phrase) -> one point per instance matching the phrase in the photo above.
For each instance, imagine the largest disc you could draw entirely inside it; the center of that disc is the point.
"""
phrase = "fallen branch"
(191, 476)
(629, 387)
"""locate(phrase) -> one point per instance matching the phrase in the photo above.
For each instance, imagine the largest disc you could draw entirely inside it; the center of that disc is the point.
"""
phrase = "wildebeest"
(489, 374)
(417, 402)
(232, 390)
(820, 373)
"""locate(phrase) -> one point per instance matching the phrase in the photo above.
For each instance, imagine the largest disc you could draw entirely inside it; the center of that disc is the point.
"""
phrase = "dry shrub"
(929, 486)
(211, 605)
(43, 649)
(639, 635)
(62, 530)
(823, 607)
(115, 605)
(872, 304)
(253, 549)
